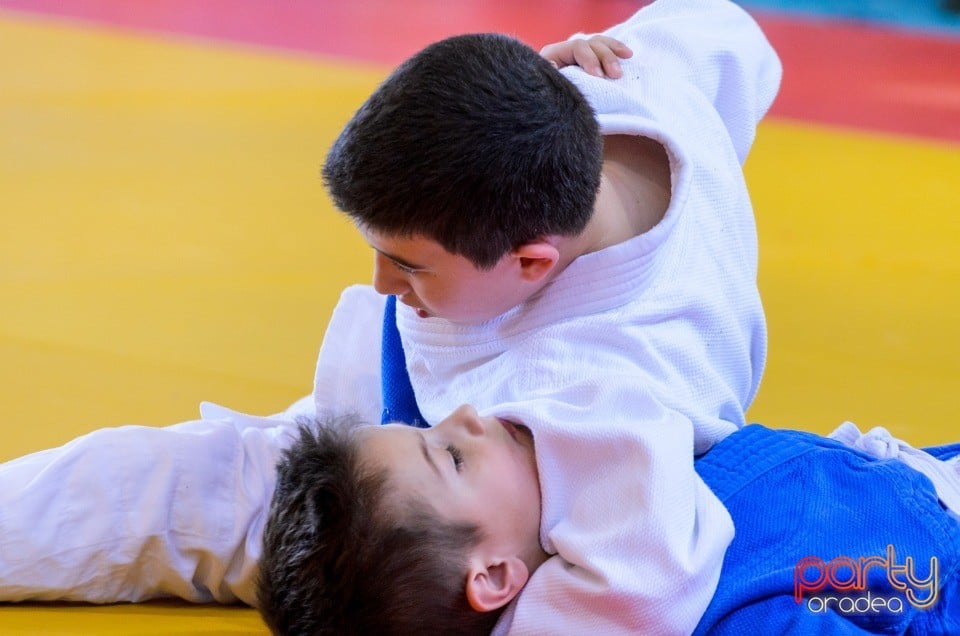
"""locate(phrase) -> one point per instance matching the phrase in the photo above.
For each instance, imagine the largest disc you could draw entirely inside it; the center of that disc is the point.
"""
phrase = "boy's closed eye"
(457, 456)
(404, 269)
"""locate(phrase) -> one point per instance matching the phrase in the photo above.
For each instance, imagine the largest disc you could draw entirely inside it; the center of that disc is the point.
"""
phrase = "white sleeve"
(713, 46)
(347, 379)
(639, 538)
(138, 512)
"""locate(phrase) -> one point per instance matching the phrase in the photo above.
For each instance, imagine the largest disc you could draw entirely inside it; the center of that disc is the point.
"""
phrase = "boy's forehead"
(398, 452)
(376, 443)
(366, 434)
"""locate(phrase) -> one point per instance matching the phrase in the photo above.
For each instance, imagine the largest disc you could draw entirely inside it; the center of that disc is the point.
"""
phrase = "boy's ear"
(536, 259)
(492, 585)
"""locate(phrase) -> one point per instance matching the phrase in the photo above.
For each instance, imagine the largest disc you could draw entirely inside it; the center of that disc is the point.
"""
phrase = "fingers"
(559, 54)
(620, 49)
(608, 53)
(589, 58)
(599, 55)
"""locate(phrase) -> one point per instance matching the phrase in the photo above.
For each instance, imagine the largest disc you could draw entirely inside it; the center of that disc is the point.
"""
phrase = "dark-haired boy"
(398, 530)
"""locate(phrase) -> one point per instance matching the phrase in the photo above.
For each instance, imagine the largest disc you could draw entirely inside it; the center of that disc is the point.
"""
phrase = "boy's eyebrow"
(426, 455)
(398, 261)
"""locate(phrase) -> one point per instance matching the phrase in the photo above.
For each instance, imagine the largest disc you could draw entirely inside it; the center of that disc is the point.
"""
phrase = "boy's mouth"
(421, 312)
(511, 430)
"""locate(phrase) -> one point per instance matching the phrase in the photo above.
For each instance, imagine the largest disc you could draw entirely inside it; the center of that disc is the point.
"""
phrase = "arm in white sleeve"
(714, 46)
(639, 538)
(137, 512)
(347, 379)
(134, 513)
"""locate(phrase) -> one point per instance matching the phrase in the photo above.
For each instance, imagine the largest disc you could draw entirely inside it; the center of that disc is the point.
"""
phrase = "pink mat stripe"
(835, 72)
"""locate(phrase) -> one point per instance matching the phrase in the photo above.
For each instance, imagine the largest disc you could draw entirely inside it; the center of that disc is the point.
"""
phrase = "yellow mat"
(165, 239)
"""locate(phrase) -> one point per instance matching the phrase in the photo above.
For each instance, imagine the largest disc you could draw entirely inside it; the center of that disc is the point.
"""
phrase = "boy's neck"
(634, 194)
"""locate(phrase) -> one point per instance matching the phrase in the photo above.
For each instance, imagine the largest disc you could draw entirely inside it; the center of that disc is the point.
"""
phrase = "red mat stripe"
(835, 73)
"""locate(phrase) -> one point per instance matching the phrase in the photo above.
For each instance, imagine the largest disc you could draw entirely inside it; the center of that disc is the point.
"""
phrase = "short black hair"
(475, 142)
(339, 560)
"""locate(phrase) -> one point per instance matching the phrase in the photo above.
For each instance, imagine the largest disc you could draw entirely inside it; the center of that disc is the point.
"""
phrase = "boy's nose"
(468, 418)
(386, 279)
(465, 417)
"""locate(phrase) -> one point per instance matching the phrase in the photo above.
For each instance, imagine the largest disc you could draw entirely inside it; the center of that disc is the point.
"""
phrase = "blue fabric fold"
(794, 495)
(399, 401)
